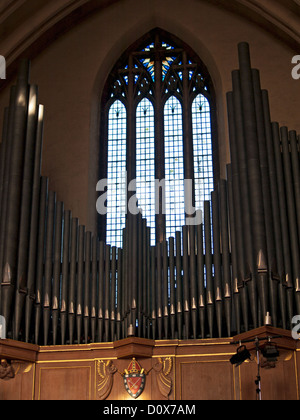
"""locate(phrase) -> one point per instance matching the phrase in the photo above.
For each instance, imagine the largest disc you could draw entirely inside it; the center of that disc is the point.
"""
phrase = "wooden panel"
(182, 370)
(206, 380)
(64, 383)
(279, 383)
(21, 386)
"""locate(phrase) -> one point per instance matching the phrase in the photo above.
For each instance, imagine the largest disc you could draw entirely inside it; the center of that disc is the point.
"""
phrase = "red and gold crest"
(134, 379)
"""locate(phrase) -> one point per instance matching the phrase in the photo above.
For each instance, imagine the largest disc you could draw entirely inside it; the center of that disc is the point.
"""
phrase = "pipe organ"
(60, 285)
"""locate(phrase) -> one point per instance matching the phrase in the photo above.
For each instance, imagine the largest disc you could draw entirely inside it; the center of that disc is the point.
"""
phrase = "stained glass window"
(145, 162)
(116, 173)
(202, 145)
(174, 169)
(161, 98)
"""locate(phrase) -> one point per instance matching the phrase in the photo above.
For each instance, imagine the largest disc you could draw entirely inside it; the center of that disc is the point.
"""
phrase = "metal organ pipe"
(212, 279)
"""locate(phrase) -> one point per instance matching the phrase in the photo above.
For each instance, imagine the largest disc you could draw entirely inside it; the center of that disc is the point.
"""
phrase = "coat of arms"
(134, 379)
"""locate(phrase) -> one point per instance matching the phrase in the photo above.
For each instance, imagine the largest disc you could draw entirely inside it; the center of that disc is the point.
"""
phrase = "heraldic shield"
(134, 379)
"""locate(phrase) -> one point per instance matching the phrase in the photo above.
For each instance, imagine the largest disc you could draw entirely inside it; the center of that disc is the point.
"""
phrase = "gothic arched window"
(158, 130)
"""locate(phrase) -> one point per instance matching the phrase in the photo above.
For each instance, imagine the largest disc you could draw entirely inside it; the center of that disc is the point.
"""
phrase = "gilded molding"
(163, 368)
(105, 378)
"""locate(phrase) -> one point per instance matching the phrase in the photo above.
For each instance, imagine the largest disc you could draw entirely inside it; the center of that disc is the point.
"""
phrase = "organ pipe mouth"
(130, 331)
(268, 319)
(41, 113)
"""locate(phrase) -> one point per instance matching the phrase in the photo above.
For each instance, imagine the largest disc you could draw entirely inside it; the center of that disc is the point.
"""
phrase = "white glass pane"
(202, 149)
(116, 174)
(145, 163)
(174, 169)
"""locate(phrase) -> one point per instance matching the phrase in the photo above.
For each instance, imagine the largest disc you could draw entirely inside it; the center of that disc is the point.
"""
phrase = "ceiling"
(27, 26)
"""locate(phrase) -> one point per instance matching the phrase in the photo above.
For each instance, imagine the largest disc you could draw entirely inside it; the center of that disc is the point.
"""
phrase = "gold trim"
(166, 345)
(204, 355)
(206, 344)
(240, 381)
(155, 356)
(33, 381)
(79, 349)
(296, 374)
(74, 360)
(234, 385)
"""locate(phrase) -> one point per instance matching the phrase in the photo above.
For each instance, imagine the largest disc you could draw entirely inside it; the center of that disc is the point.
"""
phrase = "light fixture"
(270, 352)
(241, 355)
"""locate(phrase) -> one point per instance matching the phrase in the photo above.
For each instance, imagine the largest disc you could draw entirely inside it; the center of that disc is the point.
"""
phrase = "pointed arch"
(157, 81)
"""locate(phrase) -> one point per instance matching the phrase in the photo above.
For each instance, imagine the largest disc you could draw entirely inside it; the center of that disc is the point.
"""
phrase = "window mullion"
(159, 147)
(187, 137)
(131, 129)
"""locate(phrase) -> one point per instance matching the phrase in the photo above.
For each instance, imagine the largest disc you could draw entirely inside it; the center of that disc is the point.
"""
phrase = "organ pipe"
(211, 279)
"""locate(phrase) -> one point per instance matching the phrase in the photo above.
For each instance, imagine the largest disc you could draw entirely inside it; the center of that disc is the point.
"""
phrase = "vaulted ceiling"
(27, 26)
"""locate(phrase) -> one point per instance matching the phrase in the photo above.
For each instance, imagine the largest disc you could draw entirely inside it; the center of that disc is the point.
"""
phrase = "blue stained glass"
(149, 47)
(149, 65)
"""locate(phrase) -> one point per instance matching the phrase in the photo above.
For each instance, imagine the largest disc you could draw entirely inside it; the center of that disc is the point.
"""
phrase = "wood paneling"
(64, 383)
(175, 370)
(206, 380)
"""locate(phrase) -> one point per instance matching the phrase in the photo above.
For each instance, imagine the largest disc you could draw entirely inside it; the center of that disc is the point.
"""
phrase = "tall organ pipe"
(80, 274)
(26, 204)
(165, 288)
(65, 274)
(268, 300)
(186, 285)
(47, 292)
(100, 314)
(283, 220)
(159, 289)
(179, 307)
(14, 199)
(3, 158)
(224, 220)
(217, 259)
(57, 268)
(72, 283)
(113, 292)
(87, 285)
(40, 256)
(275, 207)
(6, 176)
(237, 292)
(247, 233)
(208, 267)
(119, 292)
(296, 174)
(193, 275)
(172, 286)
(33, 235)
(107, 291)
(94, 288)
(291, 213)
(201, 280)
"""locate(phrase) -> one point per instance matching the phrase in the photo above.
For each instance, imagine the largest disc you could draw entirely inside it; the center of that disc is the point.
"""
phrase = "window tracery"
(167, 95)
